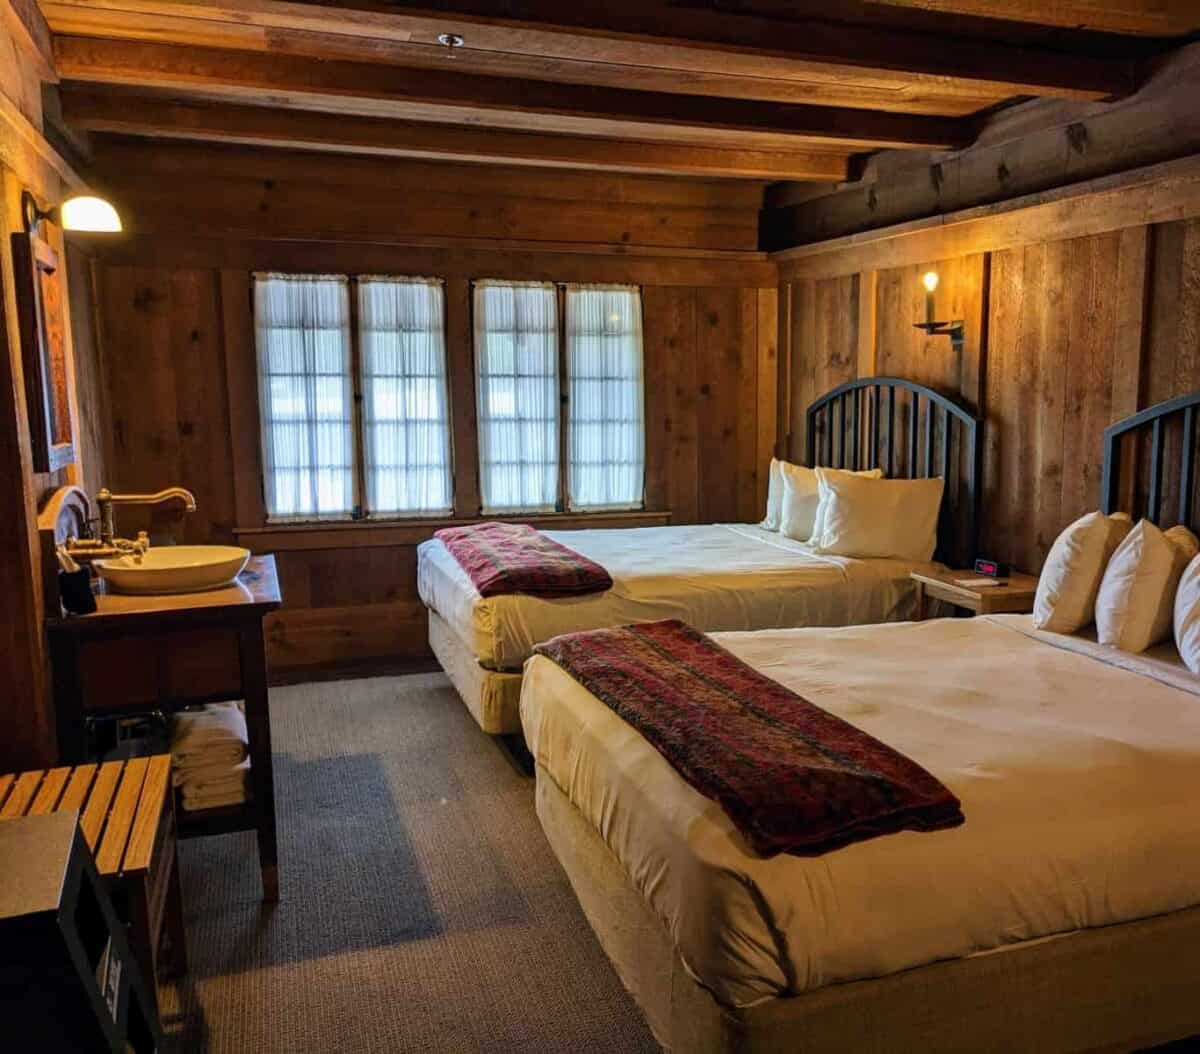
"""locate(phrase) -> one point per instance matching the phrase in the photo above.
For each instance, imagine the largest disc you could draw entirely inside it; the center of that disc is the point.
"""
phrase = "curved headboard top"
(1170, 422)
(909, 431)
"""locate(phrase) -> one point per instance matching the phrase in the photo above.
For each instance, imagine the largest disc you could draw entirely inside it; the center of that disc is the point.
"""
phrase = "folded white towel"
(215, 800)
(215, 733)
(208, 769)
(224, 787)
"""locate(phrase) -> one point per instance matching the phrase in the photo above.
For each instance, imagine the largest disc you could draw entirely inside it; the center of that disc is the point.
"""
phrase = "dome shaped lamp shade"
(89, 214)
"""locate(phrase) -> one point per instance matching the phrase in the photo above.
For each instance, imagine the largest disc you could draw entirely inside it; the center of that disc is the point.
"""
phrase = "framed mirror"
(41, 314)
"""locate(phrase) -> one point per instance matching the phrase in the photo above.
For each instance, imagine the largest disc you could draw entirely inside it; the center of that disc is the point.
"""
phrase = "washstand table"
(140, 653)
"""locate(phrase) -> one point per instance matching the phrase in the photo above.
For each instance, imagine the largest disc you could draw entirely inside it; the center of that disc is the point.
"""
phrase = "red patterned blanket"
(792, 777)
(515, 558)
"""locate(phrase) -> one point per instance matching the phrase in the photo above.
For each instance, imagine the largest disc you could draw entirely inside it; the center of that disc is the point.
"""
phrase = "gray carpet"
(422, 909)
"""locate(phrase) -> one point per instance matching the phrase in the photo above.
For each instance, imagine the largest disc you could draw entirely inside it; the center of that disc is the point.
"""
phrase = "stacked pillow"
(854, 513)
(1132, 581)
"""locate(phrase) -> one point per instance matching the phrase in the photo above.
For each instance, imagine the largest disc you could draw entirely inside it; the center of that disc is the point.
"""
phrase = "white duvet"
(716, 577)
(1079, 779)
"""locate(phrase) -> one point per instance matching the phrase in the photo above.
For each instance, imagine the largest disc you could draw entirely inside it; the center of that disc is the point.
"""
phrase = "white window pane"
(606, 425)
(406, 407)
(302, 327)
(516, 357)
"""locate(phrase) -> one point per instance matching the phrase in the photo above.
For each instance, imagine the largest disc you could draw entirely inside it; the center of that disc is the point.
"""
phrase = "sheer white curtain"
(606, 433)
(302, 325)
(516, 367)
(406, 417)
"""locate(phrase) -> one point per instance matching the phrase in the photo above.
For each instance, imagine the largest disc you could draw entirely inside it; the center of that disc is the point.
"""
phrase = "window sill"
(359, 534)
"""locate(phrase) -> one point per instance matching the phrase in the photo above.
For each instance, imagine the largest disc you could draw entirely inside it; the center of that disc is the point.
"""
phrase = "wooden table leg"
(68, 696)
(141, 937)
(174, 921)
(258, 728)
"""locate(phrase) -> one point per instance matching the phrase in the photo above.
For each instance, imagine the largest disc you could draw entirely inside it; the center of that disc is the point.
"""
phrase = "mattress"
(1077, 774)
(717, 577)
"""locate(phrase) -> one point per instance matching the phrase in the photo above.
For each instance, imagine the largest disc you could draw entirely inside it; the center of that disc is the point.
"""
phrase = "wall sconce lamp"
(953, 330)
(84, 213)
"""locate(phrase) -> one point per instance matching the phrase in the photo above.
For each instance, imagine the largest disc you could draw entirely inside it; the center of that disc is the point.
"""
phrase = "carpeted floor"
(422, 909)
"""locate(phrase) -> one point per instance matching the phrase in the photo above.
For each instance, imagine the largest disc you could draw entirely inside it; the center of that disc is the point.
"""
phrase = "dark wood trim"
(367, 534)
(564, 402)
(358, 437)
(1155, 194)
(464, 422)
(352, 669)
(241, 373)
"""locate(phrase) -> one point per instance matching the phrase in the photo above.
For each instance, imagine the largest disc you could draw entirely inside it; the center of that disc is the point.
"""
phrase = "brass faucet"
(106, 499)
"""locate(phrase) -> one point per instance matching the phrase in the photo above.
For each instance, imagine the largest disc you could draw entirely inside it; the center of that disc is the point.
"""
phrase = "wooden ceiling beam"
(664, 34)
(98, 109)
(449, 96)
(1166, 18)
(651, 67)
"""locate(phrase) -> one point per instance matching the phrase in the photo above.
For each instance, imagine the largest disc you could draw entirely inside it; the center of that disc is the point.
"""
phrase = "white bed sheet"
(1078, 770)
(717, 577)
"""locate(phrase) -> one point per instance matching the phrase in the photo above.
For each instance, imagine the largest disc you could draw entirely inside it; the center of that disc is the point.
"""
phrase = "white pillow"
(1187, 616)
(867, 517)
(774, 495)
(1137, 594)
(1065, 601)
(802, 498)
(825, 497)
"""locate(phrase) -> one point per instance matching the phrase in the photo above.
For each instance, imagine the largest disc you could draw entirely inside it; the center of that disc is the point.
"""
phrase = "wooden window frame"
(242, 386)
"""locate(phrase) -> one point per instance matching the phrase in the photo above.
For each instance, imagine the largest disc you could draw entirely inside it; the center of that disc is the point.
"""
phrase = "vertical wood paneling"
(825, 345)
(241, 388)
(1063, 338)
(1172, 357)
(1052, 371)
(201, 408)
(744, 362)
(671, 449)
(185, 409)
(768, 391)
(165, 367)
(718, 355)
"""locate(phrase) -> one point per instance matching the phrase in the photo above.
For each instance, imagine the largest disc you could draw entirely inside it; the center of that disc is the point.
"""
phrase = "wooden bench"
(127, 816)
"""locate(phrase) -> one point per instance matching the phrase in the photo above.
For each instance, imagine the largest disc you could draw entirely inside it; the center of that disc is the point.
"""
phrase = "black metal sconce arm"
(954, 330)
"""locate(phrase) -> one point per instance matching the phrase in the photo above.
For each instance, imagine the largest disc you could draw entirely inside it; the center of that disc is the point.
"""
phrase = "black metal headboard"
(877, 422)
(1171, 473)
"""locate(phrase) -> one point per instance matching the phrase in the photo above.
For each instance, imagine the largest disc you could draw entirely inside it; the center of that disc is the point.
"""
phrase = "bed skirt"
(1117, 988)
(493, 698)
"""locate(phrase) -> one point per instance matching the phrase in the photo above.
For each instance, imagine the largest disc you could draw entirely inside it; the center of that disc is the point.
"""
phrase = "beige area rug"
(422, 909)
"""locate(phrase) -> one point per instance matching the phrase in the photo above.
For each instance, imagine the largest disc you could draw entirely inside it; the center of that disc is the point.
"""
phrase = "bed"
(1063, 915)
(719, 577)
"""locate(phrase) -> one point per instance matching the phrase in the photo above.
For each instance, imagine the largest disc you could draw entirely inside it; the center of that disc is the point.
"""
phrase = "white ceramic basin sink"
(174, 569)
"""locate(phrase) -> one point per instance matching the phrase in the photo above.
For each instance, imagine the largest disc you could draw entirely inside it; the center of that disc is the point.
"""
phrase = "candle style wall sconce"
(953, 330)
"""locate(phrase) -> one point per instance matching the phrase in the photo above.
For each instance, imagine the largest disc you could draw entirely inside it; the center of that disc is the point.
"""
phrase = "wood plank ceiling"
(757, 89)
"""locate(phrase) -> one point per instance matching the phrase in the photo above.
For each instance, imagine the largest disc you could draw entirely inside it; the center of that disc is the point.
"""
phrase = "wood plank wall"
(1064, 336)
(178, 352)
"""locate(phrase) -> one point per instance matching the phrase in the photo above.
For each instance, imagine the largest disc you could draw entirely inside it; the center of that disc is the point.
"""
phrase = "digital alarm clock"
(990, 568)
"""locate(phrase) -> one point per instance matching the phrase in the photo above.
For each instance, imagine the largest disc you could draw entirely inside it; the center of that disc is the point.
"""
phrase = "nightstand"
(1015, 596)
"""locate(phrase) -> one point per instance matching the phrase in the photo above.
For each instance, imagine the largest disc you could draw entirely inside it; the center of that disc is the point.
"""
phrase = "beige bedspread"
(715, 576)
(1080, 781)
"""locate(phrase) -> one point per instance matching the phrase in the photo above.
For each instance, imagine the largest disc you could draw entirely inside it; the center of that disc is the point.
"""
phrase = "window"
(303, 331)
(516, 366)
(406, 419)
(606, 432)
(517, 362)
(317, 359)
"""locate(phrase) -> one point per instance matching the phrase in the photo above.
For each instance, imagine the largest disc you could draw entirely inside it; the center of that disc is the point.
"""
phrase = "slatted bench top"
(120, 805)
